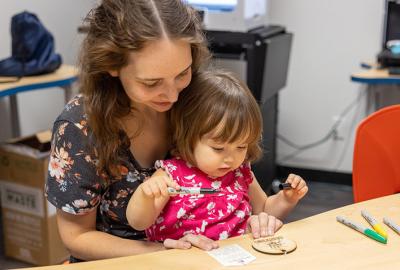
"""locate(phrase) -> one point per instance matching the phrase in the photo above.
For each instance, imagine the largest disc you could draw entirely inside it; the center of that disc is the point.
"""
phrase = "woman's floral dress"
(217, 216)
(75, 186)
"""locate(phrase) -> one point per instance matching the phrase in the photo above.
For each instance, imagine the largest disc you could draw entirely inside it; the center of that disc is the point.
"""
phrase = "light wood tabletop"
(375, 76)
(64, 75)
(322, 243)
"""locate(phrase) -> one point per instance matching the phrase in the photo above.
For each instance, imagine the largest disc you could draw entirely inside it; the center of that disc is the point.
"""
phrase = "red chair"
(376, 160)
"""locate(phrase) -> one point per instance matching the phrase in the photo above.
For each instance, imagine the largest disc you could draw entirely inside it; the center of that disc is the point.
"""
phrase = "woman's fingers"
(178, 244)
(200, 241)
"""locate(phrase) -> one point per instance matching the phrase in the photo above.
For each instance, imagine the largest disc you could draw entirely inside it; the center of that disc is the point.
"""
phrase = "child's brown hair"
(215, 101)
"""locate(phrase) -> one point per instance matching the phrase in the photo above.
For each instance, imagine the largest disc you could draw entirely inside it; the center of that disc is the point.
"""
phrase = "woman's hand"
(263, 225)
(190, 240)
(298, 190)
(157, 186)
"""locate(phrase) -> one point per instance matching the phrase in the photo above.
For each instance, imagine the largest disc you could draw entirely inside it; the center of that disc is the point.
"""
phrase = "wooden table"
(383, 89)
(322, 243)
(63, 77)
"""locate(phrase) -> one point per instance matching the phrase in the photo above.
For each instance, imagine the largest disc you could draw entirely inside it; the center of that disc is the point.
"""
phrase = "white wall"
(38, 109)
(331, 38)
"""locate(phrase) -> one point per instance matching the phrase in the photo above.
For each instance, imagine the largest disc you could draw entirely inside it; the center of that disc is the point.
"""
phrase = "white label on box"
(22, 198)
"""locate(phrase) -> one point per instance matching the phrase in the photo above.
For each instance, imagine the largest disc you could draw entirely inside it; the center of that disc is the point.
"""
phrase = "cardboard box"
(29, 221)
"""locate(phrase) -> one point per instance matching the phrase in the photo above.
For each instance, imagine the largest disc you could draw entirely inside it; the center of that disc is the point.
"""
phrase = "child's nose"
(228, 159)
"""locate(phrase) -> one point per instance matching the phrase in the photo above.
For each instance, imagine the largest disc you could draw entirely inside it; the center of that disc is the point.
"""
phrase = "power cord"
(332, 133)
(350, 132)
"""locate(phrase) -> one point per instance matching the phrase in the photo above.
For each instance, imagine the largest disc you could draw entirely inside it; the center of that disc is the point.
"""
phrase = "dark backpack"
(32, 48)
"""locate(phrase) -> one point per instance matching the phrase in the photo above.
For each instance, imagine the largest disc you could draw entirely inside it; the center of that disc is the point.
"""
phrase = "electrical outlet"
(338, 122)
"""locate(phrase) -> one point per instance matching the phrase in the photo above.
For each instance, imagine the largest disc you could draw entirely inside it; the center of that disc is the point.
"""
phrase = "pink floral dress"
(217, 216)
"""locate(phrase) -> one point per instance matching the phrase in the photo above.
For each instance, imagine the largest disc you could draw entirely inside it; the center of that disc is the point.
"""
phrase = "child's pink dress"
(217, 216)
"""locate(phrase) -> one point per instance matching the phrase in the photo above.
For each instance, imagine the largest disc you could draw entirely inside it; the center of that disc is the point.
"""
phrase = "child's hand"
(298, 190)
(263, 225)
(157, 186)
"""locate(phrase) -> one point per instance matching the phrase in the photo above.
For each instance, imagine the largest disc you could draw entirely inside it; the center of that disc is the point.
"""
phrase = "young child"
(216, 131)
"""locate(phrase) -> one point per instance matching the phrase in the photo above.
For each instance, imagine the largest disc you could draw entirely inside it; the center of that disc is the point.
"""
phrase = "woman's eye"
(183, 74)
(150, 85)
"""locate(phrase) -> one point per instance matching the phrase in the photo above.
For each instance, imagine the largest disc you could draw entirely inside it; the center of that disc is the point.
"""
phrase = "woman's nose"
(172, 93)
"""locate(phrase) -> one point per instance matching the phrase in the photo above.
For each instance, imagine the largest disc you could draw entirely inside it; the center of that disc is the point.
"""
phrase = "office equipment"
(265, 53)
(322, 243)
(232, 15)
(376, 162)
(387, 57)
(375, 224)
(362, 229)
(63, 77)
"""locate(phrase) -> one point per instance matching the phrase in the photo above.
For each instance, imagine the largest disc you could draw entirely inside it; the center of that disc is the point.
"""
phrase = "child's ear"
(113, 73)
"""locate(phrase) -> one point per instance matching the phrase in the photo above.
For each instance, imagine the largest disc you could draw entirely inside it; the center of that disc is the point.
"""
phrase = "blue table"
(63, 77)
(383, 88)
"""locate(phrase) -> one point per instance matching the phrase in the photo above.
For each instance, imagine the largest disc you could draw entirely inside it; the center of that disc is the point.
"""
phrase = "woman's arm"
(148, 200)
(79, 234)
(84, 242)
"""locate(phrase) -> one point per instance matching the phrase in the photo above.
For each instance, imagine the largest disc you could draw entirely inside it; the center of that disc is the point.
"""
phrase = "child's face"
(217, 159)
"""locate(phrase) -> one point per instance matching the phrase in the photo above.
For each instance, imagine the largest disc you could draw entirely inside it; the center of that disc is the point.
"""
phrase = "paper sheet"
(232, 255)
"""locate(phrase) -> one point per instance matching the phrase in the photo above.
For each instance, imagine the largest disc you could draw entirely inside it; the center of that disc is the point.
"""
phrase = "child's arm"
(280, 204)
(148, 200)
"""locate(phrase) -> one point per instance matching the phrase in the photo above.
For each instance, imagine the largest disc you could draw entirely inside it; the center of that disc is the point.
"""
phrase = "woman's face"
(155, 75)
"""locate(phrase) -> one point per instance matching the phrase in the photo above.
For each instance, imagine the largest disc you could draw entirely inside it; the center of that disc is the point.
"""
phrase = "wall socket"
(339, 122)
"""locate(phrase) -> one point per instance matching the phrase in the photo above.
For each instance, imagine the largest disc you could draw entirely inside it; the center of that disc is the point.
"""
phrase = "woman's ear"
(113, 73)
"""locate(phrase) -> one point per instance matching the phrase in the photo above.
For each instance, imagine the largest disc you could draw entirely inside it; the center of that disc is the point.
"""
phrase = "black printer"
(389, 57)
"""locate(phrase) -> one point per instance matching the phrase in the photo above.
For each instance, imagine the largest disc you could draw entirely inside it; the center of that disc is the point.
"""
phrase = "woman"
(137, 57)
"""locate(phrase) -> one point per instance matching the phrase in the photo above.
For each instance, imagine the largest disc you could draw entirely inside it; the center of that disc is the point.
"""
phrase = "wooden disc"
(274, 245)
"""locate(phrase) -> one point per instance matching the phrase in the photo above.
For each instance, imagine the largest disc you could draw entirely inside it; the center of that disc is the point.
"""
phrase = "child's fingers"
(162, 187)
(146, 189)
(302, 184)
(171, 183)
(254, 225)
(303, 191)
(278, 225)
(294, 180)
(263, 220)
(271, 225)
(155, 188)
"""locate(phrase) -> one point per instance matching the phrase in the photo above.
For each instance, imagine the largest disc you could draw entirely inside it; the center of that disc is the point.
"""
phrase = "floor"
(321, 197)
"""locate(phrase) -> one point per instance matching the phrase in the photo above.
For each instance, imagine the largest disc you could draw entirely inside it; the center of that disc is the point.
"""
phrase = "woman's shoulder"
(74, 111)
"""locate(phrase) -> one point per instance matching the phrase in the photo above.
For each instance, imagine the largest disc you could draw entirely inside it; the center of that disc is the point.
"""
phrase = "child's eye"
(244, 147)
(218, 149)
